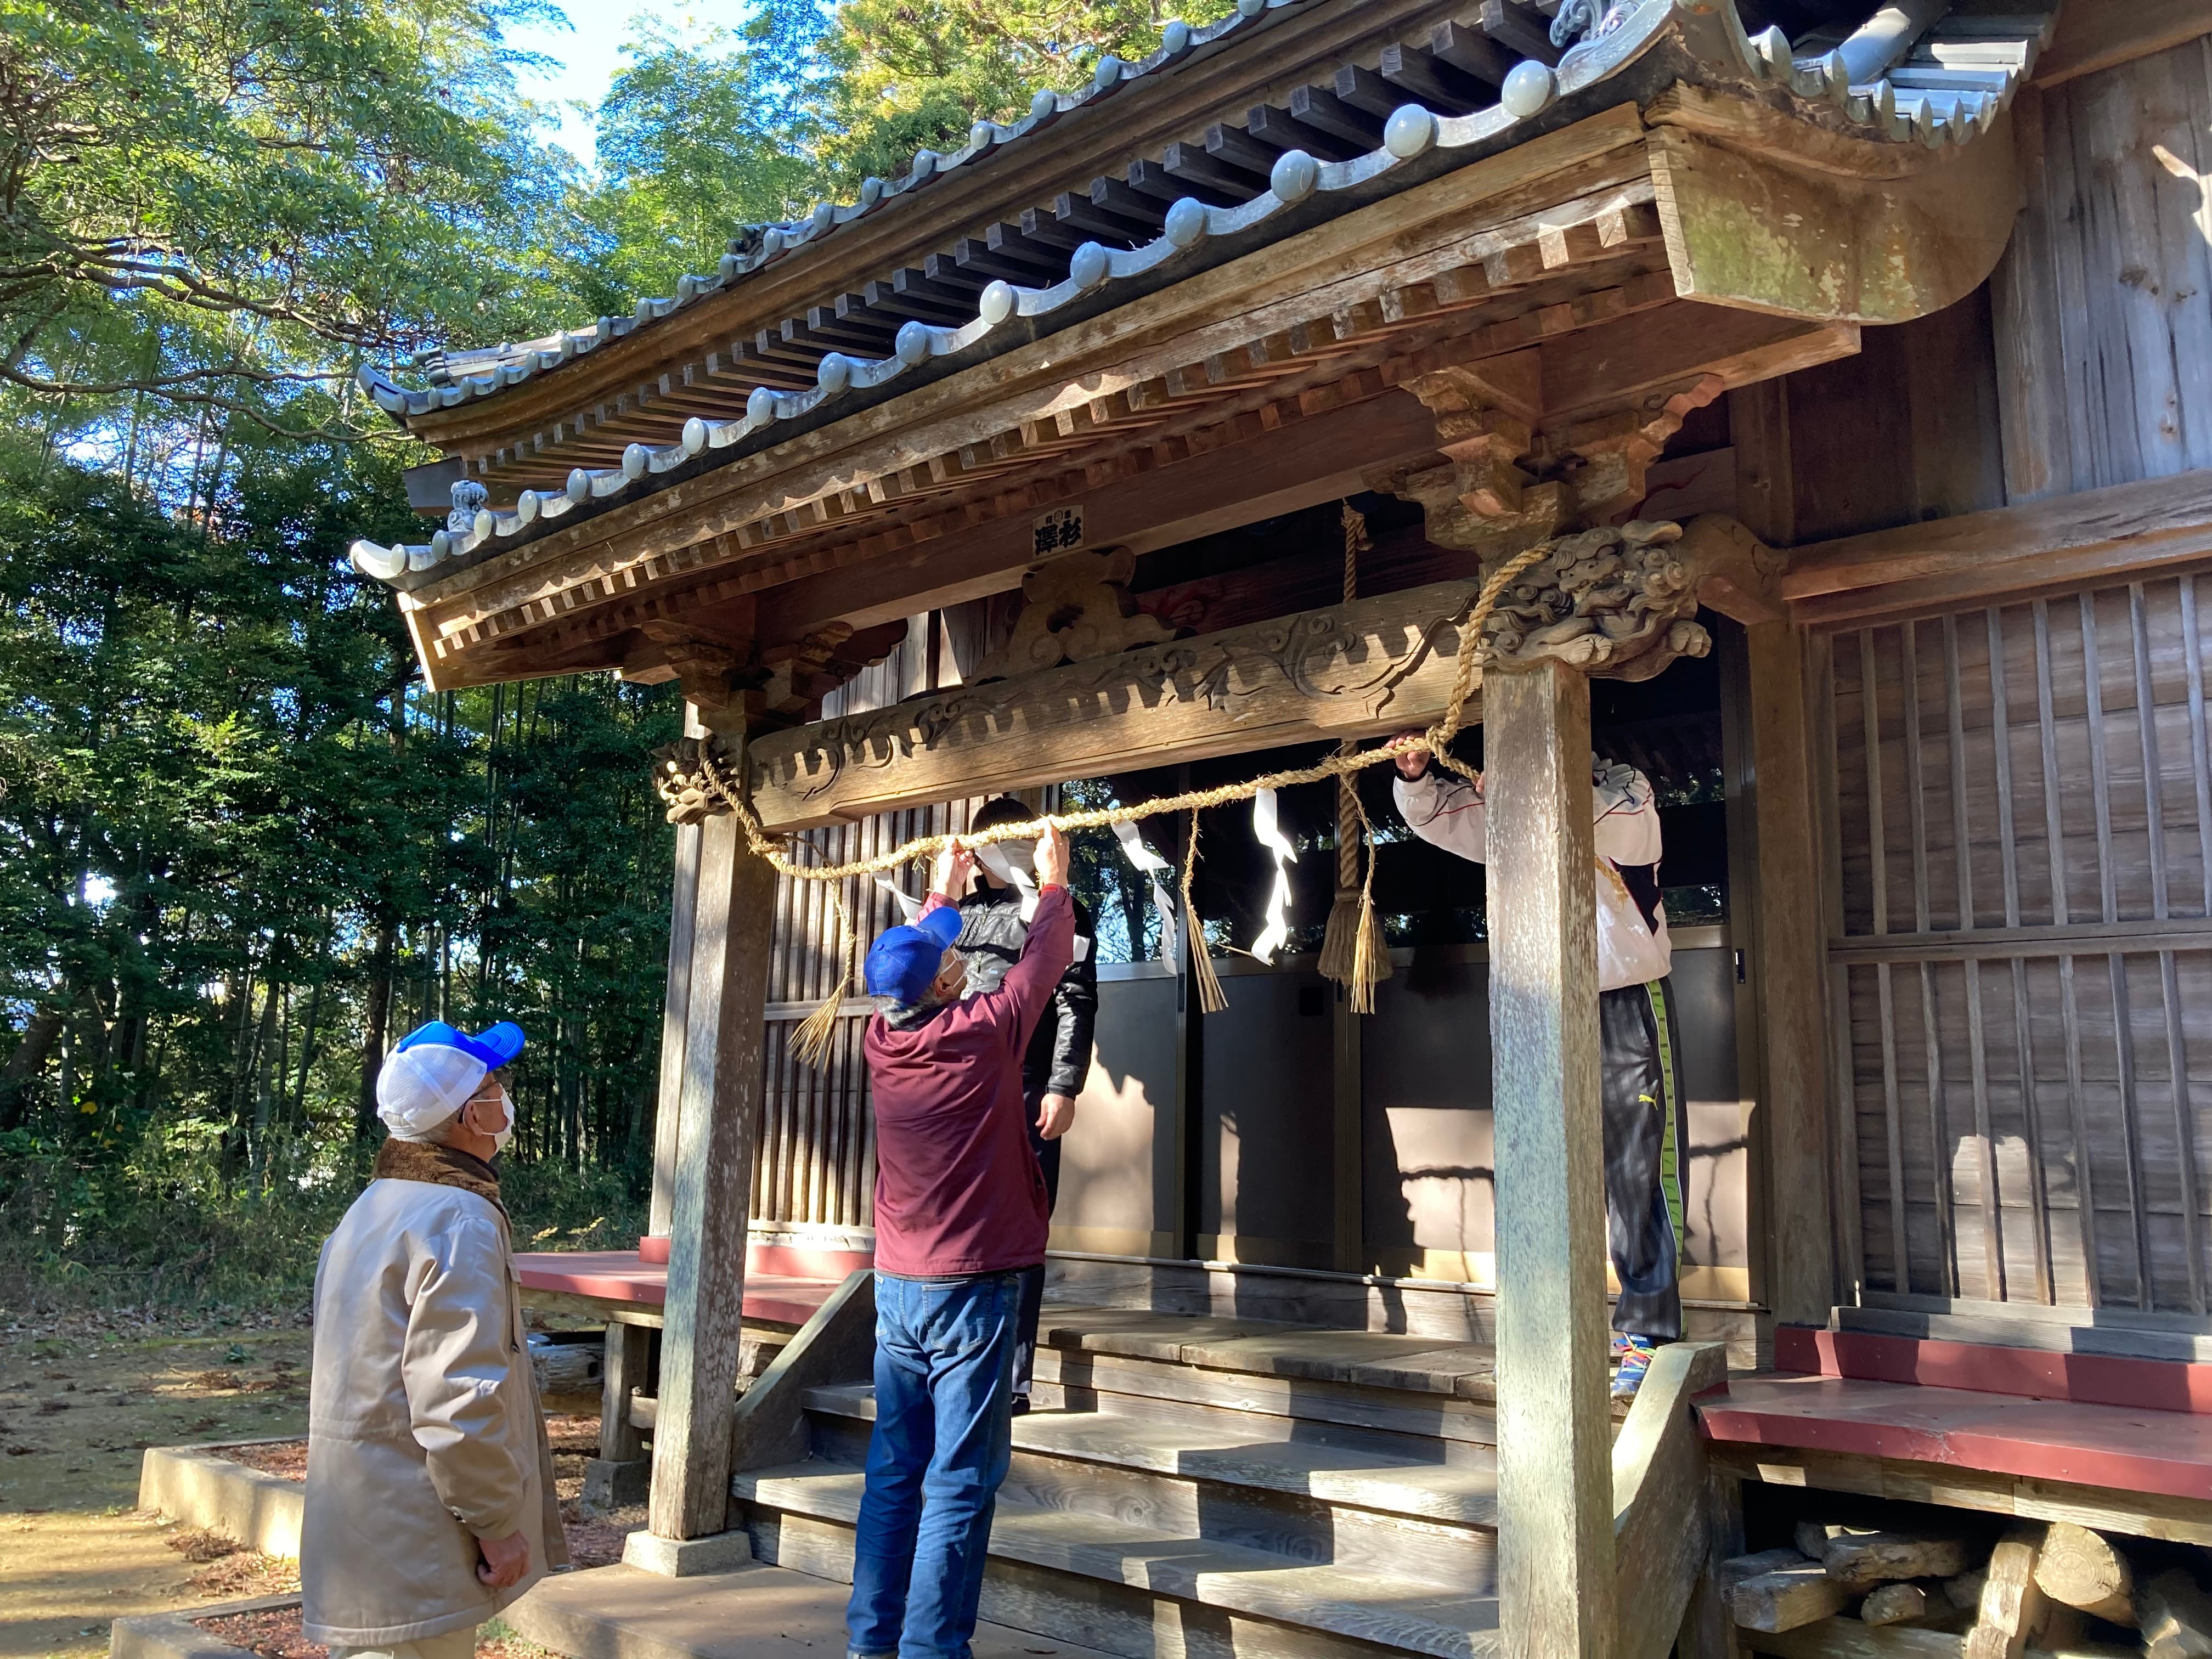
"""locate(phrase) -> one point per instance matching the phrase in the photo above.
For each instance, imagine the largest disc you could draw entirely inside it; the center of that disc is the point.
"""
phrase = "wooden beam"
(1315, 460)
(1945, 563)
(719, 1115)
(1352, 671)
(1751, 223)
(1614, 364)
(1555, 1545)
(2097, 34)
(1661, 1511)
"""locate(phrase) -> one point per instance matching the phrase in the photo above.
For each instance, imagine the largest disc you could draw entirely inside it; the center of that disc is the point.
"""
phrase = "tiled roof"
(1908, 76)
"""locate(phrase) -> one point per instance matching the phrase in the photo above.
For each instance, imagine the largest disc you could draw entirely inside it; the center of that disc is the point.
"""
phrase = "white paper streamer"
(1267, 831)
(1140, 856)
(908, 908)
(994, 858)
(1147, 862)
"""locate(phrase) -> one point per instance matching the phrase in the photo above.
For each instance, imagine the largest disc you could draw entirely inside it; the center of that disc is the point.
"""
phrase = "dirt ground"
(82, 1396)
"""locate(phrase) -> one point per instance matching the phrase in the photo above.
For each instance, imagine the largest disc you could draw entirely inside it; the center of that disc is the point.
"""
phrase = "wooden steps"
(1208, 1486)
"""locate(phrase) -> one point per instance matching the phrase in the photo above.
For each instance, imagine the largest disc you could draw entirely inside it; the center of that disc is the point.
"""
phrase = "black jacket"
(992, 933)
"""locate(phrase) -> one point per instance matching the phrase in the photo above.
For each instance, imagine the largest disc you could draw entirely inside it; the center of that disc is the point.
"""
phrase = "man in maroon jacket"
(960, 1213)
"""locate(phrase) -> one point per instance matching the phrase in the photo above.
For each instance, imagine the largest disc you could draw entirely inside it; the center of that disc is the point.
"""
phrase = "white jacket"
(1446, 811)
(423, 1431)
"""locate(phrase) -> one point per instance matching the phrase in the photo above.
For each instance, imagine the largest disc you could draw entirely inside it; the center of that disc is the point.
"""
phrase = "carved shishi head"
(1616, 601)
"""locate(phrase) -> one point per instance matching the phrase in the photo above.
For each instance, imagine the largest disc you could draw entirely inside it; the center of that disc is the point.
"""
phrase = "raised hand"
(1052, 858)
(954, 866)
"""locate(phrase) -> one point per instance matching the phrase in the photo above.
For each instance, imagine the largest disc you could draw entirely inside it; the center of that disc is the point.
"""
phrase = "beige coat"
(423, 1427)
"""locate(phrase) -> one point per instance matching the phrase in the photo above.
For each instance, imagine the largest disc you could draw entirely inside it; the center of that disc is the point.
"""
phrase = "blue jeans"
(944, 1354)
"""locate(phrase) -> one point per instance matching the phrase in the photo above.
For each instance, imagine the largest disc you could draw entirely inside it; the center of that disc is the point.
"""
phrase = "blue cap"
(904, 960)
(497, 1045)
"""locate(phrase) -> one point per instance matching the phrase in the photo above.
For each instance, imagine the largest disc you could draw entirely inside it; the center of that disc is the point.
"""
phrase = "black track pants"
(1643, 1125)
(1032, 1308)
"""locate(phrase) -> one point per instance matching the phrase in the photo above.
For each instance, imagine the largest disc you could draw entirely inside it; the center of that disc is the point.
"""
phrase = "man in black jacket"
(993, 925)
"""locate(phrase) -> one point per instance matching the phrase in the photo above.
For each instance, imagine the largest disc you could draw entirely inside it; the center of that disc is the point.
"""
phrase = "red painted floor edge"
(619, 1276)
(2089, 1379)
(1965, 1449)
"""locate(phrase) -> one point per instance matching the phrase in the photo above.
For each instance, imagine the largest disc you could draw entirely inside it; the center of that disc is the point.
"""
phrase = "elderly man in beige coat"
(429, 1500)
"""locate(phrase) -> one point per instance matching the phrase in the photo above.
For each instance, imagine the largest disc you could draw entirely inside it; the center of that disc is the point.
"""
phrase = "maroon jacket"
(958, 1188)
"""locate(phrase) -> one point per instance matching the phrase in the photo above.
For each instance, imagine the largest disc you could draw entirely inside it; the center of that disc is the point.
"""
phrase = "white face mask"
(506, 1132)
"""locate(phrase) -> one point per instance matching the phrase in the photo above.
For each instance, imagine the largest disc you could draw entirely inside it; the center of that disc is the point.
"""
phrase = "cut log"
(568, 1372)
(2176, 1618)
(2082, 1569)
(1812, 1536)
(1894, 1604)
(1786, 1599)
(2011, 1606)
(1736, 1569)
(1964, 1591)
(1858, 1560)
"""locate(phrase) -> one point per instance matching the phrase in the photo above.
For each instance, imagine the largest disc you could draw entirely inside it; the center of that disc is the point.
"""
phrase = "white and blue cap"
(435, 1070)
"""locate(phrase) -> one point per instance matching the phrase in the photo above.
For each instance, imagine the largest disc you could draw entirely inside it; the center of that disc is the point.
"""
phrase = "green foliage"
(909, 75)
(274, 187)
(242, 848)
(695, 144)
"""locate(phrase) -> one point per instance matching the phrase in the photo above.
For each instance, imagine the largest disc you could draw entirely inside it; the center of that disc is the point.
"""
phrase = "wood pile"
(1857, 1592)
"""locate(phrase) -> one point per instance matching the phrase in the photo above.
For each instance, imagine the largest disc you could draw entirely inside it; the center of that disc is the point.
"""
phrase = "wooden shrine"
(1859, 382)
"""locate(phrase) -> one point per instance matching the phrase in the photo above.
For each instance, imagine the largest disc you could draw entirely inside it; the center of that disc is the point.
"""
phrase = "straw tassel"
(818, 1032)
(1211, 999)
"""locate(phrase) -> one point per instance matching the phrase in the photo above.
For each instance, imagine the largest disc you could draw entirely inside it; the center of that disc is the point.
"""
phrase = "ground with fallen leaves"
(83, 1395)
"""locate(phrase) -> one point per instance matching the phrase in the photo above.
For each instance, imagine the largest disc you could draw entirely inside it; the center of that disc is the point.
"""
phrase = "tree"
(701, 136)
(908, 74)
(202, 196)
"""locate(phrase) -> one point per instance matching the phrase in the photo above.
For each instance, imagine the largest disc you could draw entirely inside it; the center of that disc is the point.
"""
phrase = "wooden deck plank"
(2166, 1453)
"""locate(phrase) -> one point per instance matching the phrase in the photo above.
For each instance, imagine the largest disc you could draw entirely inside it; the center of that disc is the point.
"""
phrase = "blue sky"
(589, 53)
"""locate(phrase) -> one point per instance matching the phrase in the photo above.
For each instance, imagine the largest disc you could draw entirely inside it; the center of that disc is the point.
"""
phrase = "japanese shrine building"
(1906, 320)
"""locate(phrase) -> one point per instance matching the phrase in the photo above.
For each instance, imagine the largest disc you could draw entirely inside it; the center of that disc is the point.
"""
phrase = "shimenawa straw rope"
(1342, 764)
(1353, 952)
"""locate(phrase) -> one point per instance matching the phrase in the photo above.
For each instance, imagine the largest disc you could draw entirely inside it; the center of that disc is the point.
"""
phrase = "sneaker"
(1632, 1357)
(1021, 1405)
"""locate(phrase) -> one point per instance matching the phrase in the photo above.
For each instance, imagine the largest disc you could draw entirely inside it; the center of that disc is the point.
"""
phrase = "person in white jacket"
(429, 1501)
(1642, 1108)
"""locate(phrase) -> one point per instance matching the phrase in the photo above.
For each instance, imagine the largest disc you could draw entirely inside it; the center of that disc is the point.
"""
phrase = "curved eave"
(1663, 44)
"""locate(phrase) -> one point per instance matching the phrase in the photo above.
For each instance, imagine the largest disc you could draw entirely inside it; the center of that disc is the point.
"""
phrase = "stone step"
(1419, 1365)
(1089, 1380)
(1222, 1449)
(755, 1612)
(1064, 1567)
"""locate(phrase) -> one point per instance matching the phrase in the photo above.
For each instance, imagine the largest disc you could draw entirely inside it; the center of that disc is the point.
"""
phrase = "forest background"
(242, 848)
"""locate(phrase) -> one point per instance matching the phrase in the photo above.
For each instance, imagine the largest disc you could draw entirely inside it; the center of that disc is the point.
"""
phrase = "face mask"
(507, 1132)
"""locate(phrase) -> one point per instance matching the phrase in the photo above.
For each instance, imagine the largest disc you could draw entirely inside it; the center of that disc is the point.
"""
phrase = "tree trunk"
(25, 1061)
(377, 1015)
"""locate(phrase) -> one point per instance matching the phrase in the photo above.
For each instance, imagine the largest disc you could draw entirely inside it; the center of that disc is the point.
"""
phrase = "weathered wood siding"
(2022, 804)
(2103, 303)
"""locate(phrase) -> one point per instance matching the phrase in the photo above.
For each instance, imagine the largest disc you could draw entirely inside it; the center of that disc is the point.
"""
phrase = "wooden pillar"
(1774, 871)
(711, 1188)
(683, 907)
(1778, 925)
(1555, 1558)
